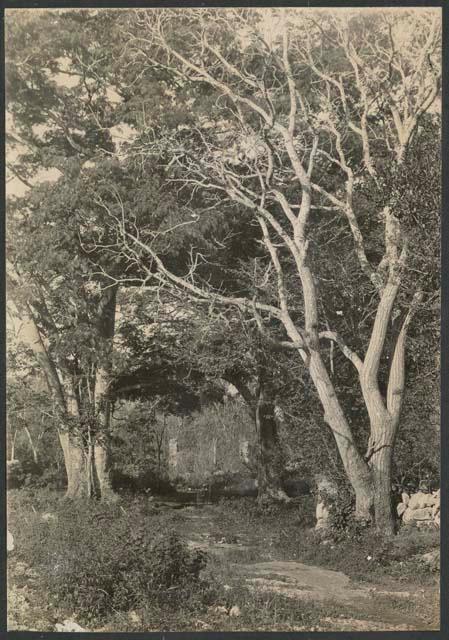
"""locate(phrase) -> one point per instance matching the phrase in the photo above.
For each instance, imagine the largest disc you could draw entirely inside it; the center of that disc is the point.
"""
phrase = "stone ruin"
(422, 509)
(325, 489)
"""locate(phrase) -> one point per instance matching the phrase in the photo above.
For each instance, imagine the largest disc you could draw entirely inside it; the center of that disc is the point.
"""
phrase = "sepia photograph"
(223, 281)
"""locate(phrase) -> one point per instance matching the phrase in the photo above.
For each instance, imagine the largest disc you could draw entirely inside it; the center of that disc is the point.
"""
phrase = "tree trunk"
(75, 461)
(101, 462)
(13, 446)
(381, 472)
(269, 454)
(270, 462)
(356, 468)
(102, 479)
(33, 448)
(380, 457)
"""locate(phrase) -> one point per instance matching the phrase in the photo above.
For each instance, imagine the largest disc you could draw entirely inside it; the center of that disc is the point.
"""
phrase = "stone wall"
(422, 509)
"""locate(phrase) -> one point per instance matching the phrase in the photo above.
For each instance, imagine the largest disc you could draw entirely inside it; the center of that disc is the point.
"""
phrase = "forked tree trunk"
(87, 471)
(270, 459)
(86, 466)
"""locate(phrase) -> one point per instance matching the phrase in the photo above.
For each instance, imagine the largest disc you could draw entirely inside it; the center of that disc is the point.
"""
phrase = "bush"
(342, 522)
(96, 559)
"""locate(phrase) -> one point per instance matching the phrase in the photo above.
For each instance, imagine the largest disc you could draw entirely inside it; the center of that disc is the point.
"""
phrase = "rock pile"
(421, 508)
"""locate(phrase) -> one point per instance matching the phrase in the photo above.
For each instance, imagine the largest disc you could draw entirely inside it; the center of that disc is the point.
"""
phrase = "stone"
(421, 500)
(47, 517)
(134, 617)
(422, 514)
(407, 516)
(220, 609)
(173, 453)
(21, 569)
(326, 486)
(235, 612)
(69, 626)
(322, 516)
(432, 558)
(200, 624)
(405, 498)
(401, 508)
(9, 542)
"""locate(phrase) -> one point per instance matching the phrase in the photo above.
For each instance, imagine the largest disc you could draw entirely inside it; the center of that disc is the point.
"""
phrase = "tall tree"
(295, 137)
(63, 105)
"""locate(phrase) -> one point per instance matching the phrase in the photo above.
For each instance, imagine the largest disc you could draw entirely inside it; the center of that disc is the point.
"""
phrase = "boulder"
(405, 498)
(235, 612)
(421, 500)
(432, 559)
(9, 542)
(407, 516)
(422, 514)
(401, 508)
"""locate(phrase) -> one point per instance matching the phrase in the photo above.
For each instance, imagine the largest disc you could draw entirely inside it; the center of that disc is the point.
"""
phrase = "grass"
(70, 558)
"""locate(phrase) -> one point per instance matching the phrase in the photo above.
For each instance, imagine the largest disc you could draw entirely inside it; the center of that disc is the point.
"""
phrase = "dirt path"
(304, 582)
(373, 607)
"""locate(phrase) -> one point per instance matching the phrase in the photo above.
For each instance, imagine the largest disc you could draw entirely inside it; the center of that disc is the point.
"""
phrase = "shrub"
(342, 522)
(96, 559)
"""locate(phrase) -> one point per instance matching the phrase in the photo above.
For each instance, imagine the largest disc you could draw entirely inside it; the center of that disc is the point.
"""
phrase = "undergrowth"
(102, 562)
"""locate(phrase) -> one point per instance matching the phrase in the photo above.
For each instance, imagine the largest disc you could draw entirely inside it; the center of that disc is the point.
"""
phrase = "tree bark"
(101, 458)
(75, 461)
(356, 468)
(380, 465)
(103, 473)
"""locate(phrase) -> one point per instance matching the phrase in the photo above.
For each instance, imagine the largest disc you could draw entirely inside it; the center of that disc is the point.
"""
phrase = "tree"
(294, 138)
(62, 109)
